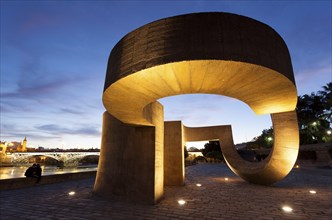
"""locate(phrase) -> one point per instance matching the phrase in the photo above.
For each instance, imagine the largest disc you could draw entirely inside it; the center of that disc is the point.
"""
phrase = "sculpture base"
(131, 166)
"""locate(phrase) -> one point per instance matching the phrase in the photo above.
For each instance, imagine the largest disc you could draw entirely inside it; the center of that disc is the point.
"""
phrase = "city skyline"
(54, 57)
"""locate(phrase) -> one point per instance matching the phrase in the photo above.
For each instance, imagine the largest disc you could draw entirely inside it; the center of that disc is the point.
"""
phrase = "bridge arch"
(25, 157)
(211, 53)
(67, 159)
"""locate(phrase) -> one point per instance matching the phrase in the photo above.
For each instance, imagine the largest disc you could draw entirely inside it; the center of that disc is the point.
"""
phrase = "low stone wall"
(29, 182)
(316, 154)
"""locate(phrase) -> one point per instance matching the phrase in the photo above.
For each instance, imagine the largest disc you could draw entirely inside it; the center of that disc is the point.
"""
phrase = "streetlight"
(314, 123)
(269, 138)
(329, 132)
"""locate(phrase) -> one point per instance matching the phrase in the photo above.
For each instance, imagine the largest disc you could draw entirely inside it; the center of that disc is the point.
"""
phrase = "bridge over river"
(68, 159)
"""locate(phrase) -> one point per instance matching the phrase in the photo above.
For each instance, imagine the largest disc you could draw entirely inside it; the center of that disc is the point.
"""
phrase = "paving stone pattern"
(215, 199)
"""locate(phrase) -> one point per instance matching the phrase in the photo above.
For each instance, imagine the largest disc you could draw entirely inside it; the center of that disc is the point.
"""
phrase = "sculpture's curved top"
(214, 53)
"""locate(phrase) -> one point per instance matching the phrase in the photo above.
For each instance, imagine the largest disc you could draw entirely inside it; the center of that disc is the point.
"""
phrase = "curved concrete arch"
(234, 56)
(264, 90)
(281, 158)
(212, 53)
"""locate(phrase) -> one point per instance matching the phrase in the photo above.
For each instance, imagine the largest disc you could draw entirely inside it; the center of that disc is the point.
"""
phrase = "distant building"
(23, 146)
(195, 154)
(241, 146)
(14, 146)
(3, 148)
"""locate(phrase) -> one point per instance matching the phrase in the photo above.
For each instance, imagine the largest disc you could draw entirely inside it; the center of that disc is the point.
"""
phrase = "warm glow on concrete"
(174, 173)
(137, 178)
(176, 135)
(264, 90)
(212, 53)
(71, 193)
(282, 156)
(287, 209)
(181, 202)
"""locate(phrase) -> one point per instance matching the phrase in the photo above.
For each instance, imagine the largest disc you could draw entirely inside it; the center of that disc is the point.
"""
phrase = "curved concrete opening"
(264, 90)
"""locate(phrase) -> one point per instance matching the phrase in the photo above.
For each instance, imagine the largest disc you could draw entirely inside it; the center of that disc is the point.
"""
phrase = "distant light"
(269, 138)
(297, 166)
(71, 193)
(181, 202)
(312, 191)
(287, 209)
(198, 184)
(314, 123)
(329, 132)
(226, 179)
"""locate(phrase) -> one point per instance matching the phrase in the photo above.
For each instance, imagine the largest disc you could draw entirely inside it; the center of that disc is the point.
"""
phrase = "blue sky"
(54, 56)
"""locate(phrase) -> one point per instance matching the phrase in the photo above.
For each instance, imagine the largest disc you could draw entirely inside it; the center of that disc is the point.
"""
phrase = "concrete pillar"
(131, 165)
(174, 154)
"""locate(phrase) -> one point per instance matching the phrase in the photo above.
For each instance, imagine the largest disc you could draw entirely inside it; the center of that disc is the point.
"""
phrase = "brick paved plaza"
(217, 198)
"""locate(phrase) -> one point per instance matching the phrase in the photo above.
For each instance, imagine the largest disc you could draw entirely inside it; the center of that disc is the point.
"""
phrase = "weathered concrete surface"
(213, 53)
(176, 135)
(223, 133)
(279, 162)
(234, 199)
(131, 165)
(174, 154)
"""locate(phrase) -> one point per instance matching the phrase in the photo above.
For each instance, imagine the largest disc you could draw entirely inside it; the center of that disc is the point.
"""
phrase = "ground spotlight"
(181, 202)
(287, 208)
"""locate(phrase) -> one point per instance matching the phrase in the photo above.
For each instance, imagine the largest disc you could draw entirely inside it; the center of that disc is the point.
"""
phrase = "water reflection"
(16, 172)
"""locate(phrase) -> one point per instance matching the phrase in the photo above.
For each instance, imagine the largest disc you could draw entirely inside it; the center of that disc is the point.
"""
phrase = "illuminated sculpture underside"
(211, 53)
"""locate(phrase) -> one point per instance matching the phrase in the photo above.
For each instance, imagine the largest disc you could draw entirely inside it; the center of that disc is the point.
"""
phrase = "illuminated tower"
(24, 145)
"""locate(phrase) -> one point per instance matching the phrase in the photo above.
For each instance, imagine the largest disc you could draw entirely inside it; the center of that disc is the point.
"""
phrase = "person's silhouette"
(34, 171)
(38, 173)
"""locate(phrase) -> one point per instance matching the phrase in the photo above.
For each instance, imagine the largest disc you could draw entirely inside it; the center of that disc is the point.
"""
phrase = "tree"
(265, 140)
(186, 154)
(210, 147)
(326, 96)
(314, 115)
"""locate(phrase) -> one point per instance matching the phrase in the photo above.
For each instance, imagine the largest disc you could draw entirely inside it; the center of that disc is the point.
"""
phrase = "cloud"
(71, 111)
(82, 130)
(36, 89)
(10, 132)
(313, 78)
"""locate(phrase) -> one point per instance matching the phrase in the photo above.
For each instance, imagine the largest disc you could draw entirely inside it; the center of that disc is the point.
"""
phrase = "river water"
(16, 172)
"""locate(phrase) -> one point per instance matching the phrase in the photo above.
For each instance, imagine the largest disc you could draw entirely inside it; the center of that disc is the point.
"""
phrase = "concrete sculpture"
(212, 53)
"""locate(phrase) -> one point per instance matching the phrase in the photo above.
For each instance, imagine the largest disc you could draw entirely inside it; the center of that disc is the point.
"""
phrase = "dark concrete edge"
(23, 182)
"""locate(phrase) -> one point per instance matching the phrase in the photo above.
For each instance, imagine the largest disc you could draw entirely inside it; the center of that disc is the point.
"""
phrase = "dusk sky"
(54, 57)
